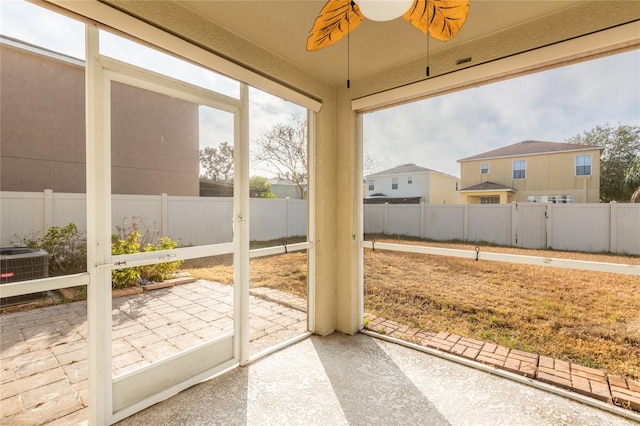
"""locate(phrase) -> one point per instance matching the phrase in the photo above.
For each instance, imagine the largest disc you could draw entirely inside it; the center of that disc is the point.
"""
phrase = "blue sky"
(550, 106)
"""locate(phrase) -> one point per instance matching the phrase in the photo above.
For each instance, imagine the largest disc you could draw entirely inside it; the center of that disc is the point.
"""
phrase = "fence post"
(613, 227)
(548, 241)
(287, 216)
(385, 218)
(164, 214)
(465, 223)
(422, 221)
(48, 210)
(515, 219)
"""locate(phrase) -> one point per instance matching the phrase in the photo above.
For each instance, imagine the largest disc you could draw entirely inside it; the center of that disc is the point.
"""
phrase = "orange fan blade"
(441, 18)
(337, 18)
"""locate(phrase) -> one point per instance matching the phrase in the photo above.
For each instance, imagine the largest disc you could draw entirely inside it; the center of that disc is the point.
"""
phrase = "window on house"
(519, 169)
(583, 165)
(394, 183)
(484, 168)
(371, 185)
(495, 199)
(537, 198)
(561, 199)
(410, 180)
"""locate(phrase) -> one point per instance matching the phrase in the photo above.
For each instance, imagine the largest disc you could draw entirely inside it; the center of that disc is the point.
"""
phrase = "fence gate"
(531, 226)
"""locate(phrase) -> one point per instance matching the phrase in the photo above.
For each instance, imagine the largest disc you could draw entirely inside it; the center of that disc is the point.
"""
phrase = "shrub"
(130, 240)
(127, 277)
(160, 271)
(67, 249)
(66, 246)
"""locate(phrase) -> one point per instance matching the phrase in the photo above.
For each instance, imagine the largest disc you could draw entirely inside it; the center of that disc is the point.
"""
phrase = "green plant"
(127, 277)
(160, 271)
(66, 246)
(130, 240)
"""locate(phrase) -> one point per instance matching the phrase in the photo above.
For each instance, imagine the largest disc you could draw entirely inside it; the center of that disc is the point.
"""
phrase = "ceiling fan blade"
(337, 18)
(441, 18)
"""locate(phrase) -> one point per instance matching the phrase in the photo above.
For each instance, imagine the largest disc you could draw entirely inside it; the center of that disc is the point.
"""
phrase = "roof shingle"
(530, 148)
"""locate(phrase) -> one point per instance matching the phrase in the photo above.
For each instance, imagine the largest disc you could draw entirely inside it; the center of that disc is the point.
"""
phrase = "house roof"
(487, 186)
(530, 148)
(404, 169)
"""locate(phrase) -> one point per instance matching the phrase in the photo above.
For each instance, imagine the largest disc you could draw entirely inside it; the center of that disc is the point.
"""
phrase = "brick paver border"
(590, 382)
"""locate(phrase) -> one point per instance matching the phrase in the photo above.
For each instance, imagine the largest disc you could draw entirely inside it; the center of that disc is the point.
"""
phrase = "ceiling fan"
(440, 19)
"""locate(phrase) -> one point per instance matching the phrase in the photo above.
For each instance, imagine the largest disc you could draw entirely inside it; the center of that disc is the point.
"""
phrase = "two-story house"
(532, 171)
(410, 184)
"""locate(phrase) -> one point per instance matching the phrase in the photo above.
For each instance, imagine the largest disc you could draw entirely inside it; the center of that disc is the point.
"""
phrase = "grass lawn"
(589, 318)
(285, 272)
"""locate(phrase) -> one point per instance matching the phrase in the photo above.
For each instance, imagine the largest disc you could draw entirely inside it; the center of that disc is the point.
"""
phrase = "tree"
(261, 187)
(632, 180)
(284, 147)
(621, 151)
(370, 164)
(217, 162)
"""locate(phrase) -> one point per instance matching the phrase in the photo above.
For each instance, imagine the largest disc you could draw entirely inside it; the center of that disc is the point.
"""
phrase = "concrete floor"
(360, 380)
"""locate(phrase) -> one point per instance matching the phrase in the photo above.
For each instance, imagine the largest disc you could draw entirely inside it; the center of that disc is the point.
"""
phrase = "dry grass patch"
(584, 317)
(285, 272)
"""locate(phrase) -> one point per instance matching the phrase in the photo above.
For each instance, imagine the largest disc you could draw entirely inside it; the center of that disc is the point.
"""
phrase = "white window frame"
(394, 183)
(523, 169)
(372, 185)
(490, 199)
(410, 180)
(484, 168)
(590, 164)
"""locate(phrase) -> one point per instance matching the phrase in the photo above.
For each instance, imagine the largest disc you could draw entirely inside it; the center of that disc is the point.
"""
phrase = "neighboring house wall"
(283, 188)
(154, 137)
(442, 189)
(42, 132)
(546, 175)
(432, 187)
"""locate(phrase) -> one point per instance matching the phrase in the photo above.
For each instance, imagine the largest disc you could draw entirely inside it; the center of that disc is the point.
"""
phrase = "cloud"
(552, 106)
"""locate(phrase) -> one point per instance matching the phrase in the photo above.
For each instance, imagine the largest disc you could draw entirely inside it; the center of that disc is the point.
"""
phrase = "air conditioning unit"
(22, 264)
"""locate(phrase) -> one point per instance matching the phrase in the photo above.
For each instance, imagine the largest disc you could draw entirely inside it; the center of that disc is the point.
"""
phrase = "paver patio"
(43, 352)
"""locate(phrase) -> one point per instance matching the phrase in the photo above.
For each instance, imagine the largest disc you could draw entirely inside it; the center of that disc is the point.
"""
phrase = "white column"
(98, 176)
(241, 227)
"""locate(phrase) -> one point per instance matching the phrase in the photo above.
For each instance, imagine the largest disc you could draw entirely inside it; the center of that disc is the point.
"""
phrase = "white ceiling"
(282, 27)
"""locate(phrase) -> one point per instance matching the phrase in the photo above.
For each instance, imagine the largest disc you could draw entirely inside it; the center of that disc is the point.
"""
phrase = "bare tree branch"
(284, 147)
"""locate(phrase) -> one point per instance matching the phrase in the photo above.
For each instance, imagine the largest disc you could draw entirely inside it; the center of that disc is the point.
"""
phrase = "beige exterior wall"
(546, 175)
(442, 189)
(154, 137)
(476, 198)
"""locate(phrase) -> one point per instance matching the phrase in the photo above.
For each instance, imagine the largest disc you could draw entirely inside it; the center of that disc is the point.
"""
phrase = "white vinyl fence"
(613, 227)
(189, 220)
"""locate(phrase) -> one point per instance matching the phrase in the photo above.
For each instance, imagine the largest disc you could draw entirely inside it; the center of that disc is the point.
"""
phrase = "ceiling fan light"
(383, 10)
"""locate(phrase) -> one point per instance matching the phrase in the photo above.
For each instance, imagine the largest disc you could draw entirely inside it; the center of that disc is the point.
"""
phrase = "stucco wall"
(443, 189)
(546, 174)
(154, 137)
(42, 134)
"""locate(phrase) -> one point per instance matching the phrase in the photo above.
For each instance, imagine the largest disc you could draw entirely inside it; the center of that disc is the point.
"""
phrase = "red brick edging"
(590, 382)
